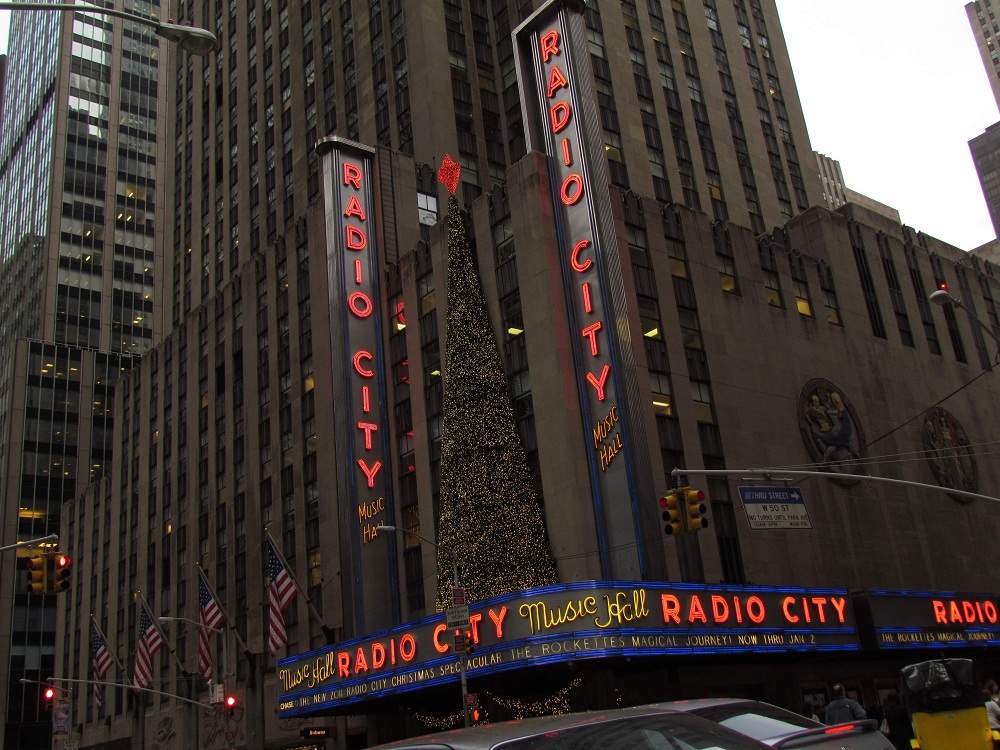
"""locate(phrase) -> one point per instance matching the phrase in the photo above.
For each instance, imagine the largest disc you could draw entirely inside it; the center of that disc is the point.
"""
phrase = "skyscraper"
(78, 181)
(985, 150)
(836, 193)
(986, 28)
(702, 109)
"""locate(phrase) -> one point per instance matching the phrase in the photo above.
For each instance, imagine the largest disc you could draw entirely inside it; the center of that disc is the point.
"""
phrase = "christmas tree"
(491, 524)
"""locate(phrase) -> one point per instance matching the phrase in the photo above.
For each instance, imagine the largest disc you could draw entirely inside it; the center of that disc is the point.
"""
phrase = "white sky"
(894, 90)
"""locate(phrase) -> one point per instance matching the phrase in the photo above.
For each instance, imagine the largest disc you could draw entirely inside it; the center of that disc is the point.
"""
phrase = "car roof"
(488, 735)
(697, 704)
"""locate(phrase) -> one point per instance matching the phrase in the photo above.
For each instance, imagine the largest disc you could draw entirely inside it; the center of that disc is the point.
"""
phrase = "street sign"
(458, 597)
(471, 699)
(61, 719)
(215, 691)
(457, 617)
(316, 732)
(775, 507)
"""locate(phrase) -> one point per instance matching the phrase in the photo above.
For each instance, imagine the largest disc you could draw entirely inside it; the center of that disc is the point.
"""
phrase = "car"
(780, 728)
(644, 728)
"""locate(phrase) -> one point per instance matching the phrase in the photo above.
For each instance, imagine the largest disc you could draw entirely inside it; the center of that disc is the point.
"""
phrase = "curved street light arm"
(944, 297)
(398, 530)
(196, 40)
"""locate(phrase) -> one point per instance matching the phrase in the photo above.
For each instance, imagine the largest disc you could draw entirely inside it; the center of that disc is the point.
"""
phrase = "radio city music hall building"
(638, 335)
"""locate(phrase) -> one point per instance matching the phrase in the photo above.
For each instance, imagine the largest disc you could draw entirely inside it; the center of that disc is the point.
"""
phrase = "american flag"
(210, 618)
(100, 661)
(150, 640)
(280, 593)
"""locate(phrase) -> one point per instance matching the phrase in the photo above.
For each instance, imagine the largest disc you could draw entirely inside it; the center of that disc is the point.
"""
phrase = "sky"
(894, 90)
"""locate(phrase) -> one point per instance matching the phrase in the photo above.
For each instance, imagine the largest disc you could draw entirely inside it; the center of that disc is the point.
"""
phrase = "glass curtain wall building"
(78, 160)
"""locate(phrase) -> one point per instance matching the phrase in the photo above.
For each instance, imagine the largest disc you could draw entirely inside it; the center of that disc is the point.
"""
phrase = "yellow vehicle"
(946, 706)
(961, 729)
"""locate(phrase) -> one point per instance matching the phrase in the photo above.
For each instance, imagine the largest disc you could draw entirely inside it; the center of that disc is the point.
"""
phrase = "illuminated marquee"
(927, 619)
(359, 387)
(557, 100)
(567, 622)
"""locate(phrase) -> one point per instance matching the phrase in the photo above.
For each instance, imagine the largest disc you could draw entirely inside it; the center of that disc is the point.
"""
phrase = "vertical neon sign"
(561, 119)
(368, 560)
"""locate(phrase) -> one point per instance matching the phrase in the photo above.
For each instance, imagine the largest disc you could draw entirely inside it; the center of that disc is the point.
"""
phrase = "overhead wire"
(887, 457)
(869, 464)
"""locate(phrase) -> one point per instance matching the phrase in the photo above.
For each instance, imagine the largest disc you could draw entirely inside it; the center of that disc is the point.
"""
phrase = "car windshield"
(656, 732)
(757, 720)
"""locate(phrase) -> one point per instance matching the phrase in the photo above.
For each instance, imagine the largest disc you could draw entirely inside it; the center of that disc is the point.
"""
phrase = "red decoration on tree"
(449, 173)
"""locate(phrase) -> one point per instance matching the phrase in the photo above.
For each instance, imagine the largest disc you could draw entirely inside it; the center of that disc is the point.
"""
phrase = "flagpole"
(327, 631)
(218, 602)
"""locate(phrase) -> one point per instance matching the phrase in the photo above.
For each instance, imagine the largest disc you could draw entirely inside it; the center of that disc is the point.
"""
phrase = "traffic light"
(58, 573)
(671, 505)
(694, 509)
(230, 704)
(472, 706)
(49, 696)
(469, 646)
(943, 286)
(38, 582)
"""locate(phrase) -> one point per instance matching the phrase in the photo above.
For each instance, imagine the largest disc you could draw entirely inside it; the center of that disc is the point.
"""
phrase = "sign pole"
(458, 598)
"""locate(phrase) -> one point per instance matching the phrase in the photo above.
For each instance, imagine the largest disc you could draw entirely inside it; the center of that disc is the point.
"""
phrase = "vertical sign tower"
(368, 561)
(558, 103)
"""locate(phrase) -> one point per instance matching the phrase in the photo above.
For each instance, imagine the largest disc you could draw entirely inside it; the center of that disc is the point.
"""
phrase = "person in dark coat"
(842, 709)
(898, 720)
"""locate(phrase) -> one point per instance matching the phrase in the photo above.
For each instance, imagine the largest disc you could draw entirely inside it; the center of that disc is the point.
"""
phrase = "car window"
(757, 720)
(656, 732)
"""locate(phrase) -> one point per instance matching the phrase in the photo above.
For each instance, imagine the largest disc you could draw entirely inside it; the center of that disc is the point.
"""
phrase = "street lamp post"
(454, 573)
(194, 39)
(225, 641)
(943, 297)
(193, 716)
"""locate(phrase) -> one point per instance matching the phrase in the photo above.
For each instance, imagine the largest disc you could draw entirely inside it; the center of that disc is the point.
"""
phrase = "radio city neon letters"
(571, 191)
(361, 306)
(965, 612)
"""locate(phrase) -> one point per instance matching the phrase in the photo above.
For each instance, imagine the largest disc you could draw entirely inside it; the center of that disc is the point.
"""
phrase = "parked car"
(784, 729)
(644, 728)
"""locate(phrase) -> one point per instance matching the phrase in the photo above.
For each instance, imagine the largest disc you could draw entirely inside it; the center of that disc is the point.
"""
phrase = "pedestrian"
(992, 695)
(842, 709)
(897, 721)
(809, 710)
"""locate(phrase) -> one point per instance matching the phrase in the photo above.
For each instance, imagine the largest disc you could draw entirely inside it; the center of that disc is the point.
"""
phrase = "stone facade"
(213, 439)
